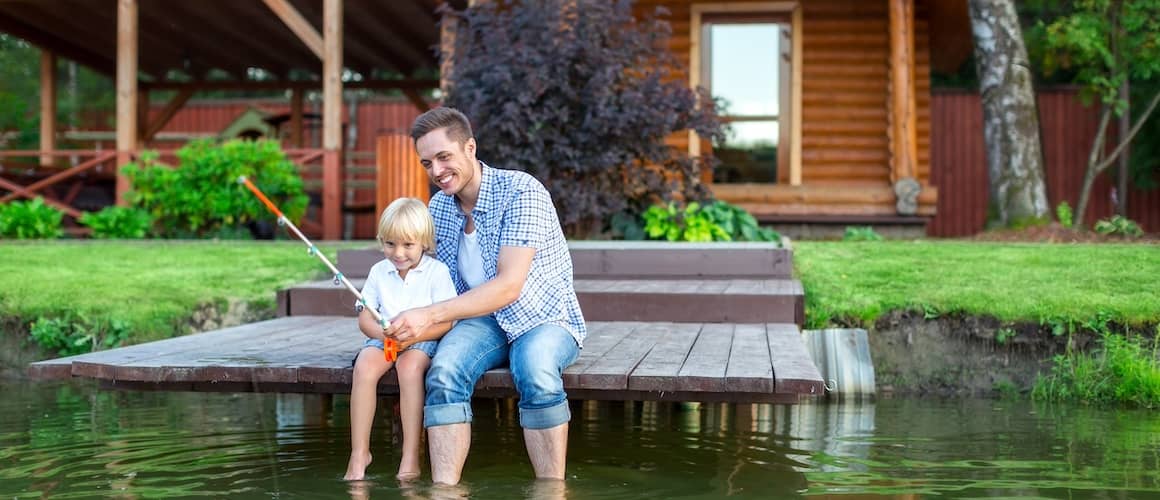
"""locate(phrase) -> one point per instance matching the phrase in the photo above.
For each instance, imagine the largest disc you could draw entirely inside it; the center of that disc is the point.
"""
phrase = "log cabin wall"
(845, 99)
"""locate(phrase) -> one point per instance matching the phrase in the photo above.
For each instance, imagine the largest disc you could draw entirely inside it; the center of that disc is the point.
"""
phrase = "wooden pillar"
(903, 114)
(126, 90)
(296, 117)
(903, 117)
(47, 104)
(398, 172)
(332, 120)
(448, 34)
(795, 143)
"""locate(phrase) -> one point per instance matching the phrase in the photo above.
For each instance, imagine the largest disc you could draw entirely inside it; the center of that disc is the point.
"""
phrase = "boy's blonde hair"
(407, 219)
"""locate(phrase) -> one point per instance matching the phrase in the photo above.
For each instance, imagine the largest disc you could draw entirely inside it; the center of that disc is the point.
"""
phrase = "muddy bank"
(963, 355)
(18, 349)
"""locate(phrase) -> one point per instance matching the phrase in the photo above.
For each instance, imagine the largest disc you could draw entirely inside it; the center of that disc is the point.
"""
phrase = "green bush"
(1120, 226)
(30, 220)
(201, 196)
(717, 221)
(1064, 214)
(861, 233)
(78, 333)
(118, 222)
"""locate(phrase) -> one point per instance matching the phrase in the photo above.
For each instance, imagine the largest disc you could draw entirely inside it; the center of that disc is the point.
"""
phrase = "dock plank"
(611, 371)
(793, 369)
(704, 370)
(659, 368)
(749, 368)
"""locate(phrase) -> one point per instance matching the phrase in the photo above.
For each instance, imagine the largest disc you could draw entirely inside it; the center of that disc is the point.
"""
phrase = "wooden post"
(903, 119)
(795, 142)
(296, 118)
(448, 33)
(47, 105)
(126, 90)
(903, 114)
(332, 120)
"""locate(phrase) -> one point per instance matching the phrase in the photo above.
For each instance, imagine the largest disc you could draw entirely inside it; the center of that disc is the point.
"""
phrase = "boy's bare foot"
(356, 468)
(408, 469)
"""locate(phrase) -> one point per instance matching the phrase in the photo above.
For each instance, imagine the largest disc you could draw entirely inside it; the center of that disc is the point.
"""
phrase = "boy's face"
(449, 166)
(404, 254)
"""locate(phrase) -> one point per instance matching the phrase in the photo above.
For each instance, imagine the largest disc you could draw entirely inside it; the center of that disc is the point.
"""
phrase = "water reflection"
(66, 440)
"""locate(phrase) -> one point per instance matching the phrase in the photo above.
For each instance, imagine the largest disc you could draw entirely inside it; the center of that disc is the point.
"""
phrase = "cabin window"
(746, 63)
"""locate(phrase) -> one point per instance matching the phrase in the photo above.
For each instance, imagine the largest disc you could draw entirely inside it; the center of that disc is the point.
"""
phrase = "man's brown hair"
(456, 123)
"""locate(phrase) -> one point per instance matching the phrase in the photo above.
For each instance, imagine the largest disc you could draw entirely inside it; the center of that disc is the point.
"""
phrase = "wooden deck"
(620, 360)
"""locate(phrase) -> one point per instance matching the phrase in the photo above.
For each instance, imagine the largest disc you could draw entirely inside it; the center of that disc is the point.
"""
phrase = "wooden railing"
(48, 176)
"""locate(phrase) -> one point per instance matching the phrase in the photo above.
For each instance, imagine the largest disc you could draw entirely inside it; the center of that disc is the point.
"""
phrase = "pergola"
(192, 45)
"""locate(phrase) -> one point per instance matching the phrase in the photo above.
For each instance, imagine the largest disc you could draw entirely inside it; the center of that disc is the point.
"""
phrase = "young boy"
(407, 278)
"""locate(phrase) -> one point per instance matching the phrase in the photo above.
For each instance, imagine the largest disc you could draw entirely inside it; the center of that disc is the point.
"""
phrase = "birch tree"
(1010, 116)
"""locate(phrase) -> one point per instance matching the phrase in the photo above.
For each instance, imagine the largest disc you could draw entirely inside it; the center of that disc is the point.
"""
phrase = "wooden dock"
(686, 338)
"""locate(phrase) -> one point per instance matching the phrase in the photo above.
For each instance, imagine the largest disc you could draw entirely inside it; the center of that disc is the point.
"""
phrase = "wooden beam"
(61, 47)
(127, 51)
(171, 108)
(903, 117)
(417, 84)
(47, 104)
(298, 24)
(795, 142)
(332, 120)
(296, 138)
(416, 99)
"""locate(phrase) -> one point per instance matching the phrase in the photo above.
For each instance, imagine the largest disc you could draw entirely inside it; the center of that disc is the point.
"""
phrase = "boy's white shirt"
(425, 284)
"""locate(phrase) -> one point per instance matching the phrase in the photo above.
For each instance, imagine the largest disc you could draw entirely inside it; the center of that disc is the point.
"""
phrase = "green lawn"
(152, 285)
(1016, 282)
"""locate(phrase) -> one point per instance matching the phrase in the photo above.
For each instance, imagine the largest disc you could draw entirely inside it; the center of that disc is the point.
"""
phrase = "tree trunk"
(1095, 165)
(1010, 117)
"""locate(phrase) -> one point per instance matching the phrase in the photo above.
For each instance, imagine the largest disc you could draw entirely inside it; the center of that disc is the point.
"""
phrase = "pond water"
(74, 440)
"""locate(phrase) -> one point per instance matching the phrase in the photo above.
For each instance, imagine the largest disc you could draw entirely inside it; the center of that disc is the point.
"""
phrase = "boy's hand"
(410, 324)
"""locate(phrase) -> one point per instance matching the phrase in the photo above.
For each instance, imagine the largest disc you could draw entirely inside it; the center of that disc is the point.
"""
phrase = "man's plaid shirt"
(515, 210)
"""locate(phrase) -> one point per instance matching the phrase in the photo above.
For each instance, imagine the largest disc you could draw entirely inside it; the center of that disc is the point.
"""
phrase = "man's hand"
(410, 324)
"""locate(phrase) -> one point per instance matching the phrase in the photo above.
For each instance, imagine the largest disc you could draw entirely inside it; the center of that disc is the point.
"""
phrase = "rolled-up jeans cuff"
(545, 418)
(446, 414)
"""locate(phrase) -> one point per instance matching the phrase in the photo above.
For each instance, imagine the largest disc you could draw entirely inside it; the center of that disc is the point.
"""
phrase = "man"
(498, 232)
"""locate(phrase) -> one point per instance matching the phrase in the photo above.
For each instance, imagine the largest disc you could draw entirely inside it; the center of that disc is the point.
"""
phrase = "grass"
(860, 281)
(152, 286)
(1124, 370)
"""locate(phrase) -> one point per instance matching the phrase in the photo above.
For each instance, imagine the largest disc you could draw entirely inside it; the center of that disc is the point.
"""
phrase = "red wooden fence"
(959, 166)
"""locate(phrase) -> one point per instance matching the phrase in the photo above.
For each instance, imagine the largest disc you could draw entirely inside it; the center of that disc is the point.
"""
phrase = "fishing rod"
(390, 347)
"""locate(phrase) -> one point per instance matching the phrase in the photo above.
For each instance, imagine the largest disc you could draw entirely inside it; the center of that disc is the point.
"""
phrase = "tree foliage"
(582, 98)
(1108, 44)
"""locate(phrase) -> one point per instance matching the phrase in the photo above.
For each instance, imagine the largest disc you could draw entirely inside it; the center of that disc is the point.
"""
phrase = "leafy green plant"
(76, 333)
(1003, 335)
(1063, 213)
(118, 222)
(1120, 226)
(861, 233)
(201, 196)
(33, 219)
(718, 221)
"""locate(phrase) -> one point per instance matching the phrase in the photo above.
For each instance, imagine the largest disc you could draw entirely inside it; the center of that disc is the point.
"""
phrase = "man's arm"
(511, 273)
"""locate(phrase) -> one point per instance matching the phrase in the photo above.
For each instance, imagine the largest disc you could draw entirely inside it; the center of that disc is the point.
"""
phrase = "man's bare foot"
(356, 468)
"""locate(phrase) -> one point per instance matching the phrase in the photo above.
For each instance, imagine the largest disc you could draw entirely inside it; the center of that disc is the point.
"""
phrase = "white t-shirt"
(426, 284)
(471, 260)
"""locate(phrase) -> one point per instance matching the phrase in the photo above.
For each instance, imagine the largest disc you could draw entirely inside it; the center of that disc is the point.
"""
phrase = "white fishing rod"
(390, 347)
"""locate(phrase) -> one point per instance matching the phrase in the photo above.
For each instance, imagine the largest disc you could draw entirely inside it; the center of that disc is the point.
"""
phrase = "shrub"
(583, 98)
(33, 219)
(861, 233)
(718, 221)
(1064, 214)
(118, 222)
(78, 333)
(1120, 226)
(201, 196)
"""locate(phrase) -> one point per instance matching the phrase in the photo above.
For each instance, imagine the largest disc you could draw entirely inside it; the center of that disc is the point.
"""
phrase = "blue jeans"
(476, 345)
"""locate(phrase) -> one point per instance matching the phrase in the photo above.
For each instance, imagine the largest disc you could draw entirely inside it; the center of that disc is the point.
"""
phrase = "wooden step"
(643, 259)
(744, 362)
(682, 301)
